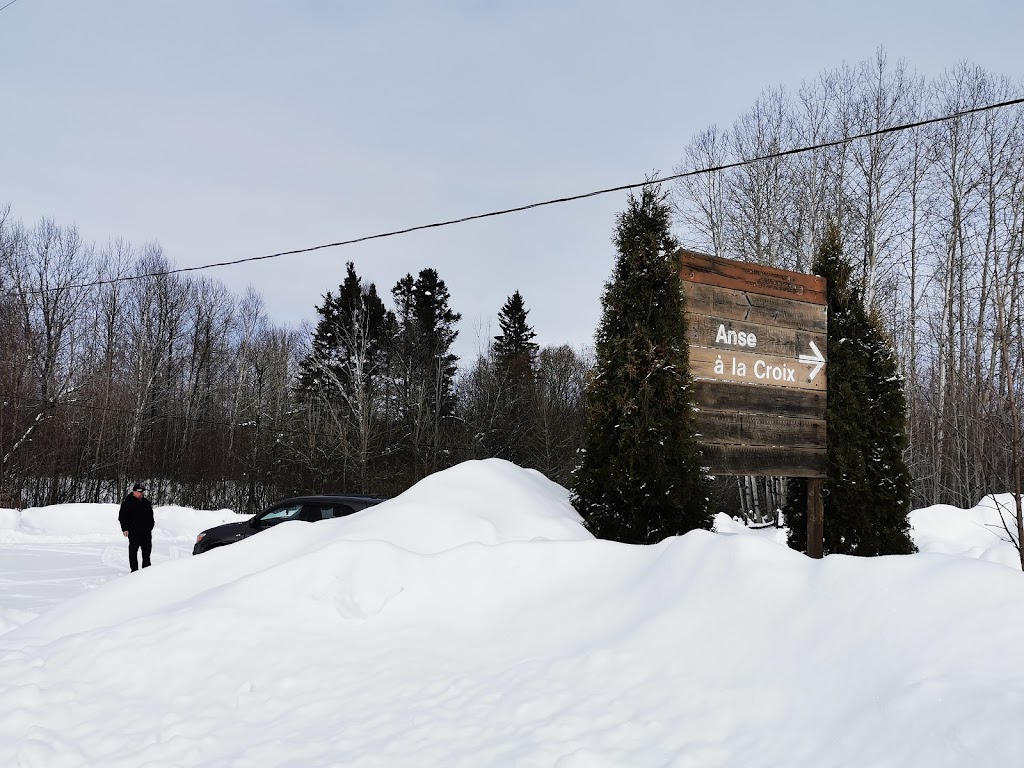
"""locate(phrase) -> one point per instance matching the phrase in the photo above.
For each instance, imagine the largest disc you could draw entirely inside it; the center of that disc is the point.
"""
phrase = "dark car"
(307, 508)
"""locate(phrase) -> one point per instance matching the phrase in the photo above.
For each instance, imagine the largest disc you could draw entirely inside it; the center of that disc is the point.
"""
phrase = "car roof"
(326, 498)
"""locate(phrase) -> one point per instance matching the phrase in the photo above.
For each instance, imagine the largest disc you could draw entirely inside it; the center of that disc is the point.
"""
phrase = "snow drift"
(473, 621)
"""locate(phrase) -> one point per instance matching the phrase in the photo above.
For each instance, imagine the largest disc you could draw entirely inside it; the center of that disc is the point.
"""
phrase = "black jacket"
(136, 515)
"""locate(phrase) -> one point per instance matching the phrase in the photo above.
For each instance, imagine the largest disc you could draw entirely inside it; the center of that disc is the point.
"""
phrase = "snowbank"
(472, 621)
(728, 526)
(75, 523)
(485, 502)
(976, 533)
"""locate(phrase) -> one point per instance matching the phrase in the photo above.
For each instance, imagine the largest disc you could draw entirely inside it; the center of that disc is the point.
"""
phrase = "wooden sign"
(758, 354)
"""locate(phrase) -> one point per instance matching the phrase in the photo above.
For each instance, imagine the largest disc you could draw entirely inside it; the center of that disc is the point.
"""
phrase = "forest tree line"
(171, 378)
(931, 216)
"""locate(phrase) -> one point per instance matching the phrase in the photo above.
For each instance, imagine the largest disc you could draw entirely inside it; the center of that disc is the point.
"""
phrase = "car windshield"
(280, 514)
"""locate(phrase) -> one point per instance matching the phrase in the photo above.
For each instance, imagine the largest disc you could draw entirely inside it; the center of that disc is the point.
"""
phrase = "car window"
(330, 511)
(314, 512)
(290, 512)
(341, 510)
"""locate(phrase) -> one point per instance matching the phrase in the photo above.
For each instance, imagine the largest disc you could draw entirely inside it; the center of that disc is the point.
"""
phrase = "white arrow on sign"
(817, 360)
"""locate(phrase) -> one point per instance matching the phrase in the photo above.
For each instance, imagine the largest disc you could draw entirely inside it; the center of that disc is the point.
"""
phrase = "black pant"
(136, 539)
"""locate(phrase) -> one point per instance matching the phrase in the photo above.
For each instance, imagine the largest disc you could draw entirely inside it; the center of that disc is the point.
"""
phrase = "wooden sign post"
(758, 354)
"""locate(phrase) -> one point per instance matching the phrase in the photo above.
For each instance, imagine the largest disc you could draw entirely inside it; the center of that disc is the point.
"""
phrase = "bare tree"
(561, 383)
(756, 200)
(933, 212)
(1016, 532)
(885, 97)
(154, 328)
(104, 362)
(44, 272)
(699, 199)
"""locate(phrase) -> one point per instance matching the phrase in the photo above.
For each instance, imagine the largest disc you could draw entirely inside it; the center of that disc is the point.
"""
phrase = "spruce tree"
(514, 363)
(424, 370)
(867, 484)
(515, 346)
(351, 335)
(345, 373)
(640, 478)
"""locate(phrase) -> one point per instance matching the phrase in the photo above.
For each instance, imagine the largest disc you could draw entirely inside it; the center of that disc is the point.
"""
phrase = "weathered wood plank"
(795, 403)
(760, 410)
(746, 368)
(756, 460)
(724, 427)
(744, 276)
(754, 308)
(703, 331)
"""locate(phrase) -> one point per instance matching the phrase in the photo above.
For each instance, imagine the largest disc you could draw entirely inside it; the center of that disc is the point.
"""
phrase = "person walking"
(136, 518)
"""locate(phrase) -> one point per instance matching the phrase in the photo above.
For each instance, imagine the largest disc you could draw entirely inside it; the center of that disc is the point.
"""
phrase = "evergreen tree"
(515, 346)
(345, 374)
(351, 335)
(424, 370)
(640, 479)
(867, 483)
(515, 359)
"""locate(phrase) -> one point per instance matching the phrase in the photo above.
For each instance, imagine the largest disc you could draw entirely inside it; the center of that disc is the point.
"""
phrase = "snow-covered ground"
(474, 622)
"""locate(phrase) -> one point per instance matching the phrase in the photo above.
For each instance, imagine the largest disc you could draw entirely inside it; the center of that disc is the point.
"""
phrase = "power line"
(8, 5)
(530, 206)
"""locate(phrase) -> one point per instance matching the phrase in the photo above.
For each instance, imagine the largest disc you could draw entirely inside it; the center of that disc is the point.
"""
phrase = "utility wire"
(530, 206)
(8, 5)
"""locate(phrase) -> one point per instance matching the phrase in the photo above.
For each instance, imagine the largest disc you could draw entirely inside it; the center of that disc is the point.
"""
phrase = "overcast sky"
(228, 129)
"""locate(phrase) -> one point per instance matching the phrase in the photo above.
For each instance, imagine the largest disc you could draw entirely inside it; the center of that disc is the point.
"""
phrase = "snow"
(978, 532)
(96, 523)
(473, 621)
